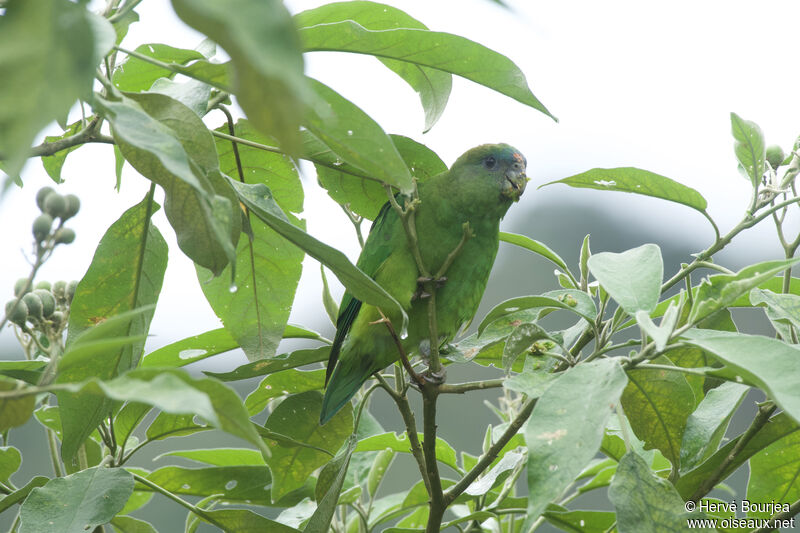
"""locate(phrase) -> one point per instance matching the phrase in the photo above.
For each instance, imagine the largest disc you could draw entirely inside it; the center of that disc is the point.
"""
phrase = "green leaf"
(778, 427)
(576, 301)
(275, 364)
(399, 443)
(136, 75)
(127, 419)
(167, 143)
(520, 340)
(275, 170)
(562, 435)
(27, 371)
(510, 461)
(10, 460)
(436, 50)
(191, 349)
(581, 521)
(20, 494)
(707, 425)
(126, 274)
(227, 483)
(45, 45)
(259, 200)
(264, 47)
(320, 521)
(644, 501)
(660, 334)
(638, 181)
(281, 384)
(14, 412)
(53, 163)
(76, 503)
(783, 310)
(193, 94)
(128, 524)
(267, 271)
(220, 456)
(378, 470)
(749, 147)
(536, 247)
(432, 85)
(721, 291)
(769, 364)
(330, 305)
(168, 425)
(775, 475)
(366, 197)
(632, 278)
(657, 403)
(297, 417)
(245, 521)
(356, 138)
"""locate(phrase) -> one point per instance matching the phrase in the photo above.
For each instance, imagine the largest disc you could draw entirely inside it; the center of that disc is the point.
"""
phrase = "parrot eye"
(490, 162)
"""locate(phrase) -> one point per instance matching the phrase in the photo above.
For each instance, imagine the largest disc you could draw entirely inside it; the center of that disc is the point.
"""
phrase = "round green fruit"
(43, 285)
(42, 226)
(73, 206)
(55, 205)
(42, 195)
(60, 290)
(18, 315)
(775, 155)
(34, 305)
(71, 286)
(64, 236)
(21, 285)
(48, 301)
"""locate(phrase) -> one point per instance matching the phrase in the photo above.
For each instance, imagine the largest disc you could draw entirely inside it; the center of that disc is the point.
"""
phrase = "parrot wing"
(377, 250)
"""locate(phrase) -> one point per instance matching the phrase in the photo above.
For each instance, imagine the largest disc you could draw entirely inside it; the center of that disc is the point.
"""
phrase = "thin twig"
(461, 388)
(491, 454)
(761, 419)
(794, 509)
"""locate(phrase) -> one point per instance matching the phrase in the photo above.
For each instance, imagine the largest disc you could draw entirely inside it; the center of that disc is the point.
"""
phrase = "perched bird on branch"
(456, 226)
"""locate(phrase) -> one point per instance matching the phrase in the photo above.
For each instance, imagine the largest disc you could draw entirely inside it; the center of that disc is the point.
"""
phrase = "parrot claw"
(435, 378)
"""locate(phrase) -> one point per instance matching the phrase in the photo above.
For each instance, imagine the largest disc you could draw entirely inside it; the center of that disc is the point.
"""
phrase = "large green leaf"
(76, 503)
(432, 85)
(775, 475)
(581, 521)
(48, 44)
(644, 501)
(658, 403)
(281, 384)
(267, 267)
(220, 456)
(259, 200)
(445, 453)
(721, 291)
(166, 142)
(437, 50)
(769, 364)
(638, 181)
(366, 197)
(749, 147)
(274, 364)
(320, 521)
(20, 494)
(356, 137)
(53, 163)
(262, 42)
(228, 483)
(632, 278)
(137, 75)
(126, 273)
(297, 417)
(576, 301)
(536, 247)
(707, 425)
(563, 435)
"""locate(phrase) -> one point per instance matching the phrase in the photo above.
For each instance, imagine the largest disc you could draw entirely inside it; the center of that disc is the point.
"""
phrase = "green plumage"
(478, 189)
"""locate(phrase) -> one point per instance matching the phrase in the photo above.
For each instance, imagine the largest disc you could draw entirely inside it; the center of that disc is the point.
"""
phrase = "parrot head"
(494, 173)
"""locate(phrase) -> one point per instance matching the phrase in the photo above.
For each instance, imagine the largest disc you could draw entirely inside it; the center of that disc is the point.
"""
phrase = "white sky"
(634, 84)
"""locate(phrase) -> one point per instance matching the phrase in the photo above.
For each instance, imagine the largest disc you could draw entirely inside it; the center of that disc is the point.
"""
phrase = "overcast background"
(633, 84)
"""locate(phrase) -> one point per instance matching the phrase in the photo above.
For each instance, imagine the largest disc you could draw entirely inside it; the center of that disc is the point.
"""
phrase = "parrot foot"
(435, 378)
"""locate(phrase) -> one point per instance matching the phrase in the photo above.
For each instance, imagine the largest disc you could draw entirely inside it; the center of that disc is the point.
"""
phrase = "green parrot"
(478, 189)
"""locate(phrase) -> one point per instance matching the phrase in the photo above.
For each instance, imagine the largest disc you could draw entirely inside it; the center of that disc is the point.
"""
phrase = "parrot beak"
(515, 182)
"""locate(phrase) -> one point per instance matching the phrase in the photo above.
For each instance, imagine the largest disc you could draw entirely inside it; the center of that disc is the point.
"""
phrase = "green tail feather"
(347, 378)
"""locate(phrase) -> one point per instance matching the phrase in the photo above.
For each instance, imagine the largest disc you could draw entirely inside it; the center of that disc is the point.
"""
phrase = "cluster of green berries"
(44, 307)
(54, 206)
